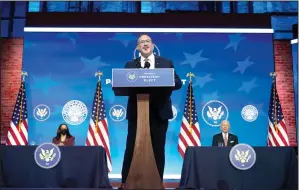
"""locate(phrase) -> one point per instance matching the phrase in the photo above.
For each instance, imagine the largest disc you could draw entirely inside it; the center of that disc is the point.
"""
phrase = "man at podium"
(160, 109)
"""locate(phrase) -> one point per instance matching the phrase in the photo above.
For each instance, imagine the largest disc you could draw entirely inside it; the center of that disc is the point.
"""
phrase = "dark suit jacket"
(160, 101)
(231, 141)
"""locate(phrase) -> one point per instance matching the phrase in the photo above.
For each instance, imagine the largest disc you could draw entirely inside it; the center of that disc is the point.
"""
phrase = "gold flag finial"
(273, 75)
(190, 75)
(99, 74)
(23, 75)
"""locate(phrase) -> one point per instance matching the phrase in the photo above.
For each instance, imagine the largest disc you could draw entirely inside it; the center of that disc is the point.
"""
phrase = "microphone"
(147, 65)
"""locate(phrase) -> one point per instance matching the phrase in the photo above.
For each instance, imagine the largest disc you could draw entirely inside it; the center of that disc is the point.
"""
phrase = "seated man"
(224, 138)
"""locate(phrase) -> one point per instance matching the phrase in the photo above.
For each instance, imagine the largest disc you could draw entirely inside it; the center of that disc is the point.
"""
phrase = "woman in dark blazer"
(63, 137)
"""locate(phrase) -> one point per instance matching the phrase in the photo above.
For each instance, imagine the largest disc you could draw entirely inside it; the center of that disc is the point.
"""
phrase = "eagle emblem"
(41, 112)
(117, 113)
(242, 156)
(47, 155)
(131, 76)
(215, 113)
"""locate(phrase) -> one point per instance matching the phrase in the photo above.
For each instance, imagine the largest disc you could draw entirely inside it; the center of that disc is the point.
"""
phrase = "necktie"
(146, 63)
(225, 140)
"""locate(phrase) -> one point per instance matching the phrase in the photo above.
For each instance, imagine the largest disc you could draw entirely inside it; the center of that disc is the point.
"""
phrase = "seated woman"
(63, 137)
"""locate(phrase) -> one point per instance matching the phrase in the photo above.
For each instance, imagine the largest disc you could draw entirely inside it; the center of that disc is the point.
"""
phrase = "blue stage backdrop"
(231, 82)
(295, 73)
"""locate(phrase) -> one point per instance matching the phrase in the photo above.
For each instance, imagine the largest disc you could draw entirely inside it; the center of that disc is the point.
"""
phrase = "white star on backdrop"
(243, 65)
(248, 86)
(193, 59)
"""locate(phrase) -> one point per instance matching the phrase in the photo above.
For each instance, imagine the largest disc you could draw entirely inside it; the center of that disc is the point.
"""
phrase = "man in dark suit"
(160, 109)
(225, 138)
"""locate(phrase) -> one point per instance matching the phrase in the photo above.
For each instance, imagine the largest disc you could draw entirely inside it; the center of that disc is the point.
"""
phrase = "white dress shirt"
(151, 60)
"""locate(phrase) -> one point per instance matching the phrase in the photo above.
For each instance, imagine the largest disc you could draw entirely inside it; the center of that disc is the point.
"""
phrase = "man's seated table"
(209, 167)
(79, 167)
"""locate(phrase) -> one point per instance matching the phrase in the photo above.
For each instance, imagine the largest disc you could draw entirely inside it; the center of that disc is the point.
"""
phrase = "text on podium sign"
(143, 77)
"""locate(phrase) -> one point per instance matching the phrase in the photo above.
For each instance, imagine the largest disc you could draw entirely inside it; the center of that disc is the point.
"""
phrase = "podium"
(143, 173)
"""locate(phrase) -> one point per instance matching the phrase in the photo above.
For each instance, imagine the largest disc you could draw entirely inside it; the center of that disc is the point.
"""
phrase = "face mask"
(63, 131)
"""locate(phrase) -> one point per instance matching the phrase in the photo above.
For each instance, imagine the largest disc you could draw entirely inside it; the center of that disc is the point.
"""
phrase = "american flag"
(98, 134)
(18, 131)
(189, 133)
(277, 131)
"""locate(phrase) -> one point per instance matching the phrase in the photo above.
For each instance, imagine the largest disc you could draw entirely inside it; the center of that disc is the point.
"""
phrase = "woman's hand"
(60, 144)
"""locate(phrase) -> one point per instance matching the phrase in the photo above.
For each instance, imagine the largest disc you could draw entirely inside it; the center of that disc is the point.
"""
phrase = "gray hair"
(225, 121)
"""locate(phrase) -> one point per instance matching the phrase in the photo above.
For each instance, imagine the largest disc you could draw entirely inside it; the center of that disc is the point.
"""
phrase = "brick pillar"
(11, 65)
(285, 85)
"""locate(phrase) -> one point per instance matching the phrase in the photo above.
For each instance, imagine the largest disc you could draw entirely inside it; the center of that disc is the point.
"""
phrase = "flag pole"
(273, 75)
(98, 74)
(190, 75)
(23, 75)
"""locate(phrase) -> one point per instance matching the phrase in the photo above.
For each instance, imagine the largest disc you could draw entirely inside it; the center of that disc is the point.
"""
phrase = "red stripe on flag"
(196, 130)
(22, 133)
(87, 142)
(194, 143)
(273, 138)
(182, 153)
(183, 140)
(13, 135)
(105, 127)
(105, 144)
(282, 124)
(92, 136)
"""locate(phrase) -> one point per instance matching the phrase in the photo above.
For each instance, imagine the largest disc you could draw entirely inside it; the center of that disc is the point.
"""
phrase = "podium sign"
(143, 77)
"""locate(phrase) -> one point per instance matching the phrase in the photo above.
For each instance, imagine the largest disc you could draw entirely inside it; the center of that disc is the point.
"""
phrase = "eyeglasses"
(145, 41)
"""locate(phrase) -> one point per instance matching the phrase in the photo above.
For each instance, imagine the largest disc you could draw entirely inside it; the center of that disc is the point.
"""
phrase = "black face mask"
(63, 131)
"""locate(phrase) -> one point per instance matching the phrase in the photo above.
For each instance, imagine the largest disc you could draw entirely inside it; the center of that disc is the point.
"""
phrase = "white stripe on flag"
(11, 139)
(16, 133)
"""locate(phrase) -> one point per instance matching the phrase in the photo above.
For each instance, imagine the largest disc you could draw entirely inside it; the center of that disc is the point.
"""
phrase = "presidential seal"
(249, 113)
(74, 112)
(174, 113)
(132, 76)
(242, 156)
(156, 51)
(214, 112)
(47, 155)
(117, 113)
(41, 112)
